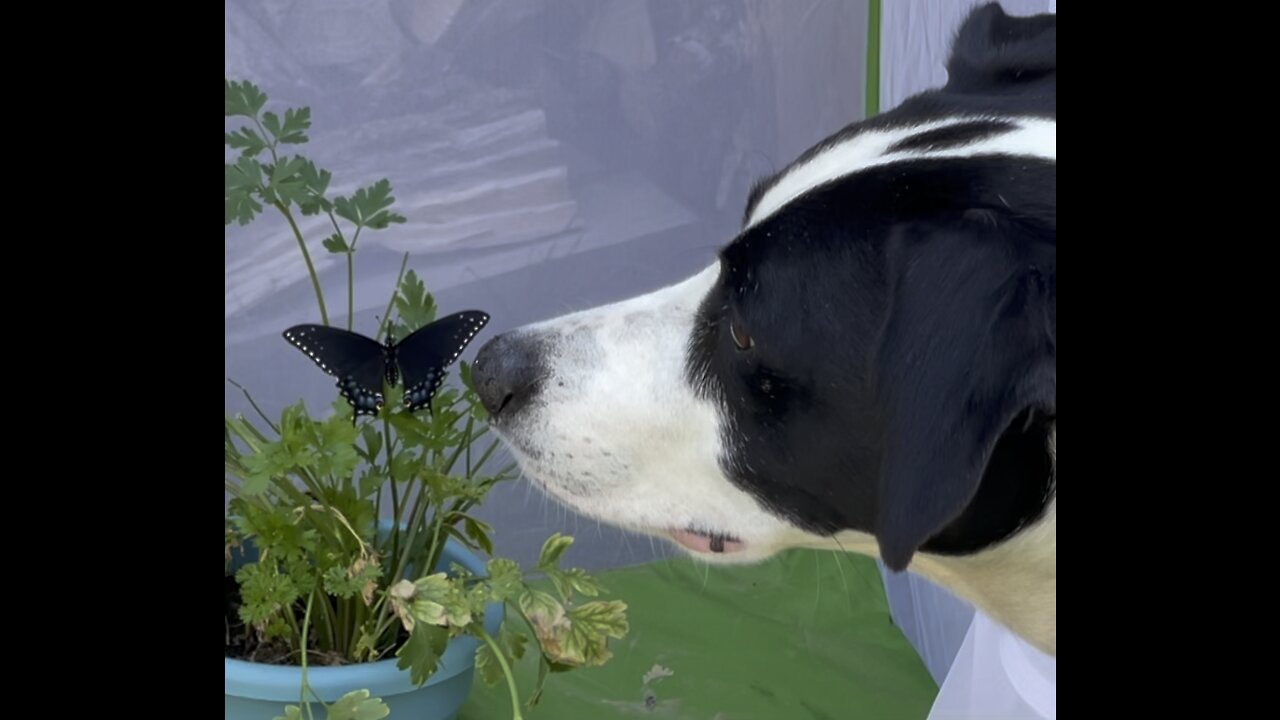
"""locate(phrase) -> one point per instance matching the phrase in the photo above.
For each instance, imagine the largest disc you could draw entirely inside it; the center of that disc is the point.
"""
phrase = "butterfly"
(361, 363)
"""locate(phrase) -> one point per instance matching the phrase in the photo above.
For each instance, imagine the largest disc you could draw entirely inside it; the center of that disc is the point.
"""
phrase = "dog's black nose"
(506, 373)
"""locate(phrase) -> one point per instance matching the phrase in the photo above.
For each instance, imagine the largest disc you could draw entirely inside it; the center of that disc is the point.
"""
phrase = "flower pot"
(255, 691)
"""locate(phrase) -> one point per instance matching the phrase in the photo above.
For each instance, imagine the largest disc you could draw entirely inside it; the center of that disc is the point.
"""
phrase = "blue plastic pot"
(260, 692)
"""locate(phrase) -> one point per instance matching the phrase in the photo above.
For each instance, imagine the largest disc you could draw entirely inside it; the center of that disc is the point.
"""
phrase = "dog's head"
(874, 352)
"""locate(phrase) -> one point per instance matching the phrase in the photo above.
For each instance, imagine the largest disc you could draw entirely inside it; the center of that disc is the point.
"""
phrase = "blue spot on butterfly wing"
(359, 363)
(424, 355)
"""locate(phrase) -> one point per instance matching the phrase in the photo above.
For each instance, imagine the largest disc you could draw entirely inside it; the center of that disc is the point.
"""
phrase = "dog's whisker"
(839, 569)
(852, 564)
(817, 584)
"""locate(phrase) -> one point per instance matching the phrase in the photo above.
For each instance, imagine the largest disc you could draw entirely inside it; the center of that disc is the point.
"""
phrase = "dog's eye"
(741, 339)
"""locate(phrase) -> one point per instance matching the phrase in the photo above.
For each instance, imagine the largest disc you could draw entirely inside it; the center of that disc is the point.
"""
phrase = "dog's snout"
(506, 373)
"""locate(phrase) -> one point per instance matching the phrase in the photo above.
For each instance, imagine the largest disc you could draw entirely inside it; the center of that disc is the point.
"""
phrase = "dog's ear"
(993, 50)
(969, 344)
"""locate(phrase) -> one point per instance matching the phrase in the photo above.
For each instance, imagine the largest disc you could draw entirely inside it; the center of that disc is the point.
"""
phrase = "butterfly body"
(361, 364)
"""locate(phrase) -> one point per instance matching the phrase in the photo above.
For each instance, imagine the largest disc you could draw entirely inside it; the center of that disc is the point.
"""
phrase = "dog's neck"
(1014, 581)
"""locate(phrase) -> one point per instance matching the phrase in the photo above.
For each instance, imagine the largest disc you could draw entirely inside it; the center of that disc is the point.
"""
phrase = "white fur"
(620, 434)
(1033, 137)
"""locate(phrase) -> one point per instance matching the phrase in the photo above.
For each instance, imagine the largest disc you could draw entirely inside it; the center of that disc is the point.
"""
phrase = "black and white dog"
(870, 365)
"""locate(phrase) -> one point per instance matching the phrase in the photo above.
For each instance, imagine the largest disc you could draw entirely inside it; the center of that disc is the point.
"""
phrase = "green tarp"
(804, 636)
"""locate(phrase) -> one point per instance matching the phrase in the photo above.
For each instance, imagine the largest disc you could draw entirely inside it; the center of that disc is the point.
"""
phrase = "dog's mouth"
(706, 542)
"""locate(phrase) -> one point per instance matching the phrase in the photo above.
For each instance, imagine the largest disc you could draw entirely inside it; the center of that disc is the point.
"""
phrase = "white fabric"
(997, 676)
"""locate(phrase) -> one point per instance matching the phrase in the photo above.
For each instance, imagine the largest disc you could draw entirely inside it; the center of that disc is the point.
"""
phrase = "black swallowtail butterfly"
(360, 363)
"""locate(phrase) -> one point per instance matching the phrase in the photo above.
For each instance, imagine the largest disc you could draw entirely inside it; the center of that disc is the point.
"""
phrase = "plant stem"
(506, 670)
(395, 494)
(306, 256)
(457, 452)
(468, 439)
(386, 316)
(275, 159)
(306, 623)
(254, 404)
(284, 209)
(351, 281)
(351, 250)
(484, 458)
(437, 547)
(351, 291)
(416, 518)
(331, 621)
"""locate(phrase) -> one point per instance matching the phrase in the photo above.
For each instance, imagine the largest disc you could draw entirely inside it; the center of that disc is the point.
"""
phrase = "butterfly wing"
(358, 362)
(424, 355)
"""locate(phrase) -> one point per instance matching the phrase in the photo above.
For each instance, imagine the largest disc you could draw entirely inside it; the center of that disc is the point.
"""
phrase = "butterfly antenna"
(384, 327)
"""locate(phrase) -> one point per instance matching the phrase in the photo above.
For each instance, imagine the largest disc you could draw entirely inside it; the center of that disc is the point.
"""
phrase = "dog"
(869, 365)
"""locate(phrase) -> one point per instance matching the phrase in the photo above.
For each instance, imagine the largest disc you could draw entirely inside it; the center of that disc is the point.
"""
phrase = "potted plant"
(354, 568)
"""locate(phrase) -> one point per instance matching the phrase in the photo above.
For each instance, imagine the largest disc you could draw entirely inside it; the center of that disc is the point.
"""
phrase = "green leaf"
(547, 617)
(368, 206)
(464, 372)
(357, 705)
(296, 122)
(371, 482)
(540, 608)
(346, 210)
(271, 122)
(336, 447)
(577, 636)
(476, 529)
(242, 98)
(240, 182)
(414, 433)
(384, 219)
(590, 625)
(487, 665)
(394, 396)
(264, 592)
(285, 169)
(335, 244)
(505, 579)
(372, 442)
(438, 600)
(420, 655)
(512, 645)
(428, 601)
(405, 465)
(287, 183)
(347, 582)
(552, 549)
(568, 582)
(247, 140)
(513, 641)
(244, 175)
(316, 182)
(416, 306)
(257, 480)
(480, 532)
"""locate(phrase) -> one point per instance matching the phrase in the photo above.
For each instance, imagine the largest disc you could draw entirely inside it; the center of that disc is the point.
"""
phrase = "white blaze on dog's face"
(615, 428)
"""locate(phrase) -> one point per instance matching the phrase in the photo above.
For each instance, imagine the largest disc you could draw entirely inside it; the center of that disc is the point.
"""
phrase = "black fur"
(903, 380)
(953, 135)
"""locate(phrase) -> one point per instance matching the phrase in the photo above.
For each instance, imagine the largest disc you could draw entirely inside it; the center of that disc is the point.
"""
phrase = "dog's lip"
(706, 542)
